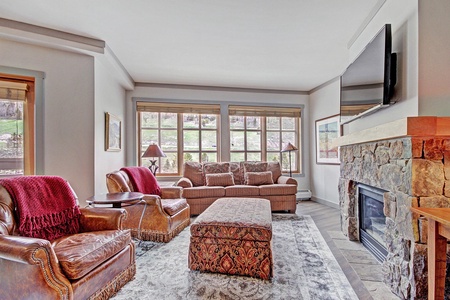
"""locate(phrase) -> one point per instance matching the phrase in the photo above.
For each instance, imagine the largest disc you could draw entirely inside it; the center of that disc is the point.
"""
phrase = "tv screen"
(368, 83)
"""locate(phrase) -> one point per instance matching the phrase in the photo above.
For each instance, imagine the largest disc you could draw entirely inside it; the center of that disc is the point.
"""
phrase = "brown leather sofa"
(92, 264)
(154, 218)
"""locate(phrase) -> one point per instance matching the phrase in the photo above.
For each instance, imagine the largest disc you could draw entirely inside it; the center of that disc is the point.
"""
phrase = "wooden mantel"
(410, 126)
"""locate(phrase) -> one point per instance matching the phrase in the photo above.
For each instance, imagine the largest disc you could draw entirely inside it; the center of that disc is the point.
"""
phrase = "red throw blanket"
(143, 180)
(46, 206)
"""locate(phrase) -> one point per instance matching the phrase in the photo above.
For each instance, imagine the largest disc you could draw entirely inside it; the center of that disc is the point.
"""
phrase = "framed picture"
(327, 130)
(113, 132)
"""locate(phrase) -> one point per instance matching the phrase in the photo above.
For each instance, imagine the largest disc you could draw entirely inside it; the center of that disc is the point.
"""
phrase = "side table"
(116, 199)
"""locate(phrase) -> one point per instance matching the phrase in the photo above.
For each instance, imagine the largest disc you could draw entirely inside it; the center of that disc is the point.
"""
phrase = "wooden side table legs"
(437, 259)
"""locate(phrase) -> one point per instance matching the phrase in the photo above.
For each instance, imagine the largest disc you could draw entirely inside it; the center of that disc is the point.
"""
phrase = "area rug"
(304, 268)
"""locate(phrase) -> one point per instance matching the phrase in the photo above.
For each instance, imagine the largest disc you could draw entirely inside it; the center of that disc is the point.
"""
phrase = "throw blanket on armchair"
(143, 180)
(46, 205)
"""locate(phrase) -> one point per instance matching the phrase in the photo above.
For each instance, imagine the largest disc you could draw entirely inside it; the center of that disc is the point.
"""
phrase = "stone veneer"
(415, 171)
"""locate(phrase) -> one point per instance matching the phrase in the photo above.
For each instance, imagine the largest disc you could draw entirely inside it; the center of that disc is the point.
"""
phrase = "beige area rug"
(304, 268)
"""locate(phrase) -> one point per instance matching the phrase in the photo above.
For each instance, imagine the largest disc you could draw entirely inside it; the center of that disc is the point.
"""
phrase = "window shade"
(13, 90)
(178, 108)
(261, 111)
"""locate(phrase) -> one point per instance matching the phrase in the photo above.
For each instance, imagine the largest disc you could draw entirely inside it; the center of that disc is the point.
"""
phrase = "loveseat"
(204, 183)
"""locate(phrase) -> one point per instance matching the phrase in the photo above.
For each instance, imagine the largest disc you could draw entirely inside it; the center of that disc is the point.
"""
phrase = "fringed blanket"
(143, 180)
(46, 206)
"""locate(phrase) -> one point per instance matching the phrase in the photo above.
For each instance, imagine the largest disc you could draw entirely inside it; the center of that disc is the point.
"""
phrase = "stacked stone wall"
(414, 172)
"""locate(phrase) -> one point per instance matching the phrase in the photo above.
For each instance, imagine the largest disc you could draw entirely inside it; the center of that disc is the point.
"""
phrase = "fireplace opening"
(372, 221)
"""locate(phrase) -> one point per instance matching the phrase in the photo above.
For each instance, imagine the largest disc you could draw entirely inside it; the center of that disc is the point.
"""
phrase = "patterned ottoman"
(233, 236)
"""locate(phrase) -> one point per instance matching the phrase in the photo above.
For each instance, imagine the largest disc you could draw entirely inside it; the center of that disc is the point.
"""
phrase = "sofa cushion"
(277, 189)
(173, 206)
(241, 191)
(204, 192)
(219, 179)
(194, 172)
(79, 254)
(216, 167)
(252, 166)
(275, 168)
(235, 168)
(258, 178)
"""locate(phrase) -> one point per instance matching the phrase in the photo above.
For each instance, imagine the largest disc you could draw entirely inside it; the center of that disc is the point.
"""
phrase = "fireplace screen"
(372, 220)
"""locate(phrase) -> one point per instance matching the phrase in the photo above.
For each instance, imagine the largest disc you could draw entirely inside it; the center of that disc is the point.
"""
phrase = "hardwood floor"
(368, 270)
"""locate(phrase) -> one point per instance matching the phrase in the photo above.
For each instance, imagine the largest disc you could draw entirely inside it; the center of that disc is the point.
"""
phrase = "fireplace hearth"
(372, 221)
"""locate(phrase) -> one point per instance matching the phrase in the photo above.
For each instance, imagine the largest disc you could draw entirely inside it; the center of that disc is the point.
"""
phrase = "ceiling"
(283, 45)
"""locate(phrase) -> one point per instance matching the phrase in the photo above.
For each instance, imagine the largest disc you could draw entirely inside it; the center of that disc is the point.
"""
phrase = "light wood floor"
(363, 271)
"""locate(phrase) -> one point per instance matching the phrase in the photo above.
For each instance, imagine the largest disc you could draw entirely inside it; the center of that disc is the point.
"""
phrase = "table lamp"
(289, 148)
(153, 151)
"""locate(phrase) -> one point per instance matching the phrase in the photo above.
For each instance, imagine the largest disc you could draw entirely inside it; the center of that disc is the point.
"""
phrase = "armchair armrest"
(171, 192)
(184, 182)
(286, 180)
(94, 219)
(25, 256)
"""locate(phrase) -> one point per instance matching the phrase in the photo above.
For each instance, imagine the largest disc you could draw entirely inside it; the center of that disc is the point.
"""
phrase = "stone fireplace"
(410, 161)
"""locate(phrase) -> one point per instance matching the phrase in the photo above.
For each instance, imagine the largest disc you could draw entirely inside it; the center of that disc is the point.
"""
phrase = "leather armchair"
(92, 264)
(154, 218)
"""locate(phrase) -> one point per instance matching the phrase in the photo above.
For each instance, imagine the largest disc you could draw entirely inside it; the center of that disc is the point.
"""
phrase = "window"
(184, 133)
(191, 132)
(259, 133)
(16, 125)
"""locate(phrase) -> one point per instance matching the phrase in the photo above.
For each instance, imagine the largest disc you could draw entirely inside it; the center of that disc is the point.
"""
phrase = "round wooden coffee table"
(116, 199)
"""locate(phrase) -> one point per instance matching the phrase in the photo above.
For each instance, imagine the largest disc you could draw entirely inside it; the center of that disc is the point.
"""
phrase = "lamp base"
(153, 167)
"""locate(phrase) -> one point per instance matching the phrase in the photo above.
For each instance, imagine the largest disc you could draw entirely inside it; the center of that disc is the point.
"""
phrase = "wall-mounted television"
(367, 85)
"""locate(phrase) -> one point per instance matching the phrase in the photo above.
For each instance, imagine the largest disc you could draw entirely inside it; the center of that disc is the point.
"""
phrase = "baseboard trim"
(325, 202)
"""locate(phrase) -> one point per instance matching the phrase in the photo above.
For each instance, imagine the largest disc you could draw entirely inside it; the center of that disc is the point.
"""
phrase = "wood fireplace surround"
(410, 159)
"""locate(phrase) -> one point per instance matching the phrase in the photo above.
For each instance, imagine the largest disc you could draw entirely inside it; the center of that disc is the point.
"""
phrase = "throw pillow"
(219, 179)
(258, 178)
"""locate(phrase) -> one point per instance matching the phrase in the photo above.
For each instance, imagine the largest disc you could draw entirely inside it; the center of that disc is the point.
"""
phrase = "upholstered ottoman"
(233, 236)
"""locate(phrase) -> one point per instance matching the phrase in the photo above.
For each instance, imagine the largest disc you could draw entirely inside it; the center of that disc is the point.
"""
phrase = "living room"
(78, 82)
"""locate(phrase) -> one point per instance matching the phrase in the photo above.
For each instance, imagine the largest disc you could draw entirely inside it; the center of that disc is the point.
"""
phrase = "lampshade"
(153, 150)
(289, 147)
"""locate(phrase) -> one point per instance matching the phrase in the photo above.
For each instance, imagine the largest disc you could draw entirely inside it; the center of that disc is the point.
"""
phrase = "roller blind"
(13, 90)
(178, 108)
(264, 111)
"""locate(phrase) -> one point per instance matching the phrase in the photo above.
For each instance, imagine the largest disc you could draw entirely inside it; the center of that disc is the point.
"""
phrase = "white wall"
(324, 178)
(68, 146)
(403, 16)
(214, 95)
(434, 58)
(324, 102)
(109, 97)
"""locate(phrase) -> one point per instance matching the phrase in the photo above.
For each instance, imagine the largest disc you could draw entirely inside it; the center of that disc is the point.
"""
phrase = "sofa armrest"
(24, 255)
(95, 219)
(172, 192)
(184, 182)
(286, 180)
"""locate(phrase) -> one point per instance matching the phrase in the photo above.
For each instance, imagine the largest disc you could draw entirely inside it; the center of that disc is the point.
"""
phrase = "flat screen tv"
(367, 85)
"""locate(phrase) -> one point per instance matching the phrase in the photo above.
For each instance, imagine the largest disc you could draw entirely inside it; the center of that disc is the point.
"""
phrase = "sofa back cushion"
(235, 168)
(275, 168)
(252, 166)
(194, 172)
(216, 167)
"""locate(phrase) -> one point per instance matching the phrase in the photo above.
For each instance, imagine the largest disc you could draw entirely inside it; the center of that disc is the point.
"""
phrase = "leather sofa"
(203, 183)
(92, 264)
(155, 218)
